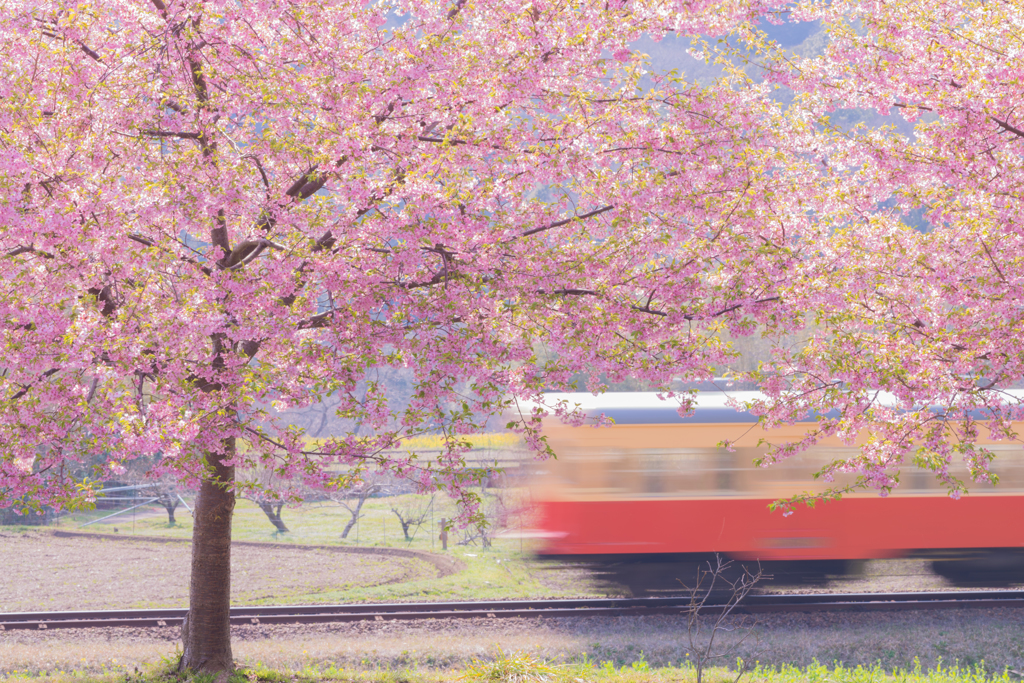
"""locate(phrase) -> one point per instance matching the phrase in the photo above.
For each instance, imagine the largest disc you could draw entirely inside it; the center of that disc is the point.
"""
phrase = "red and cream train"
(653, 497)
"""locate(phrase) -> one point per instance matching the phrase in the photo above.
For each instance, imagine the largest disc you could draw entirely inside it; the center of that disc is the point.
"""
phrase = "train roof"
(647, 408)
(711, 407)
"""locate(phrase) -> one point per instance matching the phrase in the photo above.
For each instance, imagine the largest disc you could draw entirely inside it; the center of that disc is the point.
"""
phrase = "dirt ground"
(46, 571)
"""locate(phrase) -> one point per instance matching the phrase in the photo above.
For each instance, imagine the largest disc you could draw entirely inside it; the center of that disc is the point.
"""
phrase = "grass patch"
(317, 523)
(519, 667)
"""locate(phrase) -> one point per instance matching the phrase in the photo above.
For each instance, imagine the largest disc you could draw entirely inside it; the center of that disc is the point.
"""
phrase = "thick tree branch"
(310, 182)
(734, 307)
(454, 11)
(452, 141)
(146, 242)
(259, 166)
(198, 79)
(646, 308)
(173, 105)
(18, 251)
(170, 134)
(574, 292)
(246, 252)
(1008, 128)
(105, 296)
(25, 388)
(92, 53)
(438, 278)
(316, 322)
(51, 29)
(566, 221)
(900, 105)
(219, 238)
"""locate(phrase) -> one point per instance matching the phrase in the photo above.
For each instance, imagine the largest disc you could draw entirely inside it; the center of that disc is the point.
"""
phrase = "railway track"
(309, 614)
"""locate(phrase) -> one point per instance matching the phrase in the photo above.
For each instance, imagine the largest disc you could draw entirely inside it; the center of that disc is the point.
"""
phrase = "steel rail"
(309, 614)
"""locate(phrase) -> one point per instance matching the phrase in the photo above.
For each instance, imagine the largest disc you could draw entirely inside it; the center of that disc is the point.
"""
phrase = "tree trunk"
(170, 503)
(273, 513)
(405, 523)
(355, 515)
(206, 633)
(351, 523)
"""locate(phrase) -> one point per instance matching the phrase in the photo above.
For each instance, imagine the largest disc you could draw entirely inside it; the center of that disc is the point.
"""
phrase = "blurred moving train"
(649, 500)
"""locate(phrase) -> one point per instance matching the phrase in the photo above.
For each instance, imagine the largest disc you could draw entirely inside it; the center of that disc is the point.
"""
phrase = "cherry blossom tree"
(215, 212)
(917, 334)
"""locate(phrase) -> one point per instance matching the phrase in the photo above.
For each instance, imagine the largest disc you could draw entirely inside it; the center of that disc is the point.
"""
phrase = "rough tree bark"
(206, 633)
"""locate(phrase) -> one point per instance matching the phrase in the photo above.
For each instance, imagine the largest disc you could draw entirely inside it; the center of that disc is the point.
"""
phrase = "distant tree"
(501, 511)
(166, 494)
(163, 487)
(272, 509)
(412, 516)
(480, 531)
(262, 486)
(354, 496)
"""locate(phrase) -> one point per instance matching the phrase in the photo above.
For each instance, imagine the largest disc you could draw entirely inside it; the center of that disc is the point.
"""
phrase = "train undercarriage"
(668, 574)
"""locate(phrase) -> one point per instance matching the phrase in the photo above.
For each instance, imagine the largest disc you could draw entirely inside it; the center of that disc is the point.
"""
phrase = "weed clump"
(517, 667)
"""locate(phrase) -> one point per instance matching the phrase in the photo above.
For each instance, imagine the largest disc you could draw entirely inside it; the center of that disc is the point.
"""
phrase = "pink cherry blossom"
(217, 214)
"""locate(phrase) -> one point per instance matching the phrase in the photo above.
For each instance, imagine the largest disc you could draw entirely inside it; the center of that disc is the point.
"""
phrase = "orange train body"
(655, 487)
(745, 529)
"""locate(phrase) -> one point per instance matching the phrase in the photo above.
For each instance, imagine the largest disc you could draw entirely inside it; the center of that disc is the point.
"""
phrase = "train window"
(671, 471)
(595, 472)
(917, 480)
(793, 475)
(1008, 465)
(638, 472)
(593, 475)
